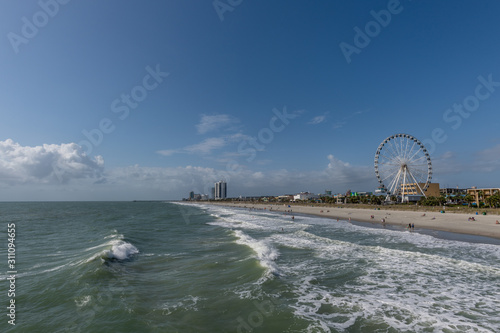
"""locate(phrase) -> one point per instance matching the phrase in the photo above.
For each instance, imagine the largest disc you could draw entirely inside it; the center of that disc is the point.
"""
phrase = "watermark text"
(11, 273)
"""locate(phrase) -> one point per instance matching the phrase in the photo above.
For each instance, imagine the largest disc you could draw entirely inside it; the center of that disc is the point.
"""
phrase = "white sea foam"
(254, 220)
(121, 250)
(188, 303)
(115, 248)
(265, 252)
(368, 276)
(404, 289)
(83, 301)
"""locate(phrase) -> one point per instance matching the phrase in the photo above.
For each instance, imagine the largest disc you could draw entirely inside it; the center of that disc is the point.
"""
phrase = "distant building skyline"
(220, 190)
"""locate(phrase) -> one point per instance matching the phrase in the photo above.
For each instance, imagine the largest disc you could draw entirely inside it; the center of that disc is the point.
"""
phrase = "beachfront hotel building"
(412, 189)
(453, 191)
(481, 194)
(220, 190)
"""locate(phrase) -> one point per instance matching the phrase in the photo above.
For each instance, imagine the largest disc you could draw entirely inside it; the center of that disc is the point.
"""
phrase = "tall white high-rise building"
(220, 190)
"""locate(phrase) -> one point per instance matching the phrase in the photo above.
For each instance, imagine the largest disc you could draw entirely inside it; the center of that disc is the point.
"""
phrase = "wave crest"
(121, 250)
(266, 253)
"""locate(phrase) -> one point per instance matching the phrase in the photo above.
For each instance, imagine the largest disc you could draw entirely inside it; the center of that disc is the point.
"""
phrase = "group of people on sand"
(472, 218)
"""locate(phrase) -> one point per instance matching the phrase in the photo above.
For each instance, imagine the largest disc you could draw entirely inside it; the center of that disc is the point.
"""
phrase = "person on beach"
(409, 226)
(413, 226)
(497, 222)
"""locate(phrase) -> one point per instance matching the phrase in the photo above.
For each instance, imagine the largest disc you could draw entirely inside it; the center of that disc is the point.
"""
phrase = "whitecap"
(122, 250)
(188, 303)
(265, 252)
(82, 301)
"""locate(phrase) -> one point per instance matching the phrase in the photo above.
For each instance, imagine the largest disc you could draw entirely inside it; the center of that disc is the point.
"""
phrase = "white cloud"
(446, 164)
(339, 124)
(167, 152)
(258, 175)
(211, 123)
(34, 173)
(484, 161)
(171, 183)
(346, 174)
(336, 164)
(49, 163)
(317, 120)
(488, 160)
(138, 182)
(206, 146)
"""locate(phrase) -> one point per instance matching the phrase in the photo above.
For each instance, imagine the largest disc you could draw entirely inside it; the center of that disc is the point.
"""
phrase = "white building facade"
(305, 196)
(220, 190)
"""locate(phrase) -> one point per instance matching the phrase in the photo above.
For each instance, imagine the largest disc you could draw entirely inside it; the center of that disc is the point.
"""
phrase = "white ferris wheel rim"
(402, 159)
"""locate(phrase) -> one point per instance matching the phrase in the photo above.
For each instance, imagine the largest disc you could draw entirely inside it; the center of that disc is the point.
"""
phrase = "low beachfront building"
(381, 191)
(305, 196)
(481, 194)
(285, 198)
(453, 191)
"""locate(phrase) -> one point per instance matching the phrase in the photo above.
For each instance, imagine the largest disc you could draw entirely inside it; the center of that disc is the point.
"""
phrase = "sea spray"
(122, 250)
(114, 249)
(266, 253)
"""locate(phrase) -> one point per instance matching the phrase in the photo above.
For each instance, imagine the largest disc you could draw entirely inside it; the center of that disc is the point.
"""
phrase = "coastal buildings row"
(219, 192)
(411, 192)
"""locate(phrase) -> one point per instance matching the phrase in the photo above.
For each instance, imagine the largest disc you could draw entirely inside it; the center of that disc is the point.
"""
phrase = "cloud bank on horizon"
(46, 164)
(66, 166)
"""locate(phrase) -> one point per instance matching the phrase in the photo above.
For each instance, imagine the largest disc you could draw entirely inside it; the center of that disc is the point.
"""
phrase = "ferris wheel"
(403, 166)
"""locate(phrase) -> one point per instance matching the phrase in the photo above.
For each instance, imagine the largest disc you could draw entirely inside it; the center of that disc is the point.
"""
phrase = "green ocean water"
(168, 267)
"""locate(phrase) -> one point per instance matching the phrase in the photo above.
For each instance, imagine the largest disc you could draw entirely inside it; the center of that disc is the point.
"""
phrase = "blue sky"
(174, 95)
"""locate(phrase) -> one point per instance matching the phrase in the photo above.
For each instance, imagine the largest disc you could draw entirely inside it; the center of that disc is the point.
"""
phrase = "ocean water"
(171, 267)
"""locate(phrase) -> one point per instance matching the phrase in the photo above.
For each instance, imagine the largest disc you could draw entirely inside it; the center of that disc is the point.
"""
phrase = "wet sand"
(484, 225)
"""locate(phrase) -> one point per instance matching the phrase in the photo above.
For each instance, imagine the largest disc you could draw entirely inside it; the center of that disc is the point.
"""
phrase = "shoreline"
(484, 225)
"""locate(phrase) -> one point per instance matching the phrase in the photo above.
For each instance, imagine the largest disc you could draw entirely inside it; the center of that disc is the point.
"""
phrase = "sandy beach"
(484, 225)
